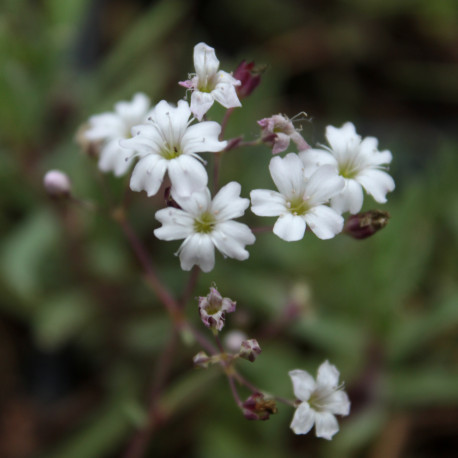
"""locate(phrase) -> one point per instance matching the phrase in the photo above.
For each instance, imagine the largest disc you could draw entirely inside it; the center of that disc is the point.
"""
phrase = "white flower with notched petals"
(302, 199)
(320, 400)
(168, 143)
(204, 224)
(110, 128)
(209, 84)
(358, 161)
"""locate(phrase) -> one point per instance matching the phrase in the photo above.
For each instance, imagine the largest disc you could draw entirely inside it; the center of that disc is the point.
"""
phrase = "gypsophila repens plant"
(318, 189)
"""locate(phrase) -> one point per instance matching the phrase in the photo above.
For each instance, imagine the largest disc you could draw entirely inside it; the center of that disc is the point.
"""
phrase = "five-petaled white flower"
(168, 143)
(358, 161)
(301, 199)
(109, 128)
(320, 400)
(205, 224)
(209, 84)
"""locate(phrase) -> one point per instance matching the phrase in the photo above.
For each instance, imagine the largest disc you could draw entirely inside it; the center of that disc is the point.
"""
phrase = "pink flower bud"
(249, 349)
(366, 224)
(249, 78)
(256, 407)
(57, 183)
(213, 309)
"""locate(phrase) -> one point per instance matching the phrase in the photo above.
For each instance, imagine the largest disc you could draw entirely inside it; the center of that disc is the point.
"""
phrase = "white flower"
(168, 143)
(321, 401)
(205, 224)
(301, 199)
(111, 127)
(209, 84)
(358, 161)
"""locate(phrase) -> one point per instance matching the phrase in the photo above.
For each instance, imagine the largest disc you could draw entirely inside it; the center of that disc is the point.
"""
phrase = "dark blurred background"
(79, 329)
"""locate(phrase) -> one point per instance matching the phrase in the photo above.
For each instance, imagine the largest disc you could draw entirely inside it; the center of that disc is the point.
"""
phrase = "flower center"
(204, 223)
(298, 206)
(206, 84)
(348, 170)
(170, 152)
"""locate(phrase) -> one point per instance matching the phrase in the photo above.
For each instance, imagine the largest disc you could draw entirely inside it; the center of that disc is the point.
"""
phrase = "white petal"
(135, 111)
(338, 139)
(303, 384)
(226, 95)
(201, 102)
(325, 425)
(144, 145)
(148, 174)
(104, 126)
(176, 224)
(338, 403)
(350, 199)
(376, 183)
(314, 158)
(290, 227)
(187, 175)
(231, 237)
(227, 204)
(287, 174)
(196, 203)
(205, 60)
(328, 375)
(171, 121)
(303, 420)
(198, 250)
(114, 158)
(202, 137)
(324, 222)
(265, 202)
(323, 184)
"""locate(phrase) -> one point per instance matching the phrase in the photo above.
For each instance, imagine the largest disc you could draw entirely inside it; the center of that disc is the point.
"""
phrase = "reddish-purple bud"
(256, 407)
(249, 78)
(366, 224)
(249, 349)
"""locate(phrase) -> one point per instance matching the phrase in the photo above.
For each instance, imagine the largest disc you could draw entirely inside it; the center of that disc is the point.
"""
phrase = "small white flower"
(358, 161)
(168, 143)
(205, 224)
(301, 199)
(111, 127)
(209, 84)
(321, 401)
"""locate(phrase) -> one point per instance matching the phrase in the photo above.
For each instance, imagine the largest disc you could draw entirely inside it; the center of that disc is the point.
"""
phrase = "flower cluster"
(162, 144)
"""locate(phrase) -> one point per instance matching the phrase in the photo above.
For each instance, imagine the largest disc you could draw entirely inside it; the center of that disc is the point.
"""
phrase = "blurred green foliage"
(384, 310)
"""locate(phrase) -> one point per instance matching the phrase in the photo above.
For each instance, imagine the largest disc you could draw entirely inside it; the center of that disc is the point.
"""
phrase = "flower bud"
(365, 224)
(249, 349)
(57, 183)
(249, 78)
(278, 131)
(256, 407)
(201, 359)
(213, 309)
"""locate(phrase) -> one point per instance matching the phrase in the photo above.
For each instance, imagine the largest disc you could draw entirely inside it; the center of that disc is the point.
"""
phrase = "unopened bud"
(57, 183)
(213, 309)
(365, 224)
(249, 76)
(249, 349)
(256, 407)
(201, 359)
